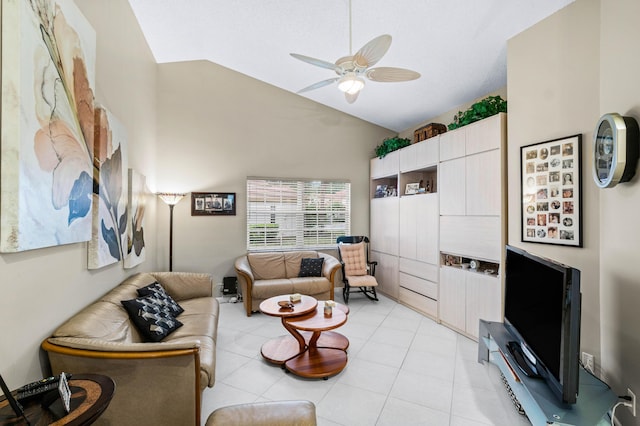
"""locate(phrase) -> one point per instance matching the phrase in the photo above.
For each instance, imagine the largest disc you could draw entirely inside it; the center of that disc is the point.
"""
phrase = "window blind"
(296, 214)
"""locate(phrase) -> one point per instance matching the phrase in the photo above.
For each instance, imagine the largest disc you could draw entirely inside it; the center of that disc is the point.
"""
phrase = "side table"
(321, 359)
(90, 396)
(281, 349)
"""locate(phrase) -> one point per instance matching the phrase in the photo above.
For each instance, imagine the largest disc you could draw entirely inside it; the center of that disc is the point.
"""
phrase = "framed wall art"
(48, 57)
(552, 191)
(213, 203)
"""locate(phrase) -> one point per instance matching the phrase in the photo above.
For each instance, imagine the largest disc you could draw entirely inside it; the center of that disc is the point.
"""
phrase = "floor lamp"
(171, 199)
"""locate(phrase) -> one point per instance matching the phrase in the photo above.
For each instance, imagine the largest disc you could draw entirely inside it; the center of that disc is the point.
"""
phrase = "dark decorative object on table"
(487, 107)
(390, 145)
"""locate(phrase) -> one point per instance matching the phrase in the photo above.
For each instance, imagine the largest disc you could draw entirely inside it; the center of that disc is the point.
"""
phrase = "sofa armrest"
(185, 285)
(145, 381)
(245, 281)
(330, 266)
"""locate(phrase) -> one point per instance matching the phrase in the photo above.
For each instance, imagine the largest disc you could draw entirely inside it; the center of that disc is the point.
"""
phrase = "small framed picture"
(213, 204)
(412, 188)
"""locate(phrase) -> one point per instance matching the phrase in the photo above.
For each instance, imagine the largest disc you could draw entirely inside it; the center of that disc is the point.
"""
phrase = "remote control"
(38, 387)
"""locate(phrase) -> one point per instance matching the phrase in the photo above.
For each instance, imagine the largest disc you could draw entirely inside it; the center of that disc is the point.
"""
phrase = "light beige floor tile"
(398, 412)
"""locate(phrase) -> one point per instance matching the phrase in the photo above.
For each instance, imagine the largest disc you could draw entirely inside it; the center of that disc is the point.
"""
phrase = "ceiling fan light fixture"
(351, 83)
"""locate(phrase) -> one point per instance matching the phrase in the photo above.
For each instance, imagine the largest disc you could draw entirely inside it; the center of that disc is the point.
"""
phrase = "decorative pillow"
(157, 291)
(151, 319)
(311, 267)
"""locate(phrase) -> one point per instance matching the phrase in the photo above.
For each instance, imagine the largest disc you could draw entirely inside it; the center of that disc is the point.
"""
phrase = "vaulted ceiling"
(458, 46)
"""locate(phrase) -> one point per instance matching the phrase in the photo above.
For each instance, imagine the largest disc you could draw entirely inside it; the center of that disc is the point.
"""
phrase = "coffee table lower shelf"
(318, 363)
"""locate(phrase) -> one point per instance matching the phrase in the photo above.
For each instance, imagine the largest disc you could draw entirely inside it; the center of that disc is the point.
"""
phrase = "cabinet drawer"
(423, 287)
(419, 269)
(419, 302)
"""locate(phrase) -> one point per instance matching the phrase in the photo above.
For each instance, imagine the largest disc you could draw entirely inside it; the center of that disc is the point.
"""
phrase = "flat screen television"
(542, 312)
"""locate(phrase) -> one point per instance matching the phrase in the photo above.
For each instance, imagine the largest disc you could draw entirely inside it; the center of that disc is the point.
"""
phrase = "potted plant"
(487, 107)
(390, 145)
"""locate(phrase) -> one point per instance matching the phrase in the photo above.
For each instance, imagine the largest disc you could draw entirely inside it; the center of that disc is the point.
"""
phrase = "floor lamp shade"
(171, 199)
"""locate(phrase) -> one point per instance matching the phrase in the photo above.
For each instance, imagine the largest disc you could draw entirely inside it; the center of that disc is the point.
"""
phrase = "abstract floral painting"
(136, 251)
(48, 69)
(108, 242)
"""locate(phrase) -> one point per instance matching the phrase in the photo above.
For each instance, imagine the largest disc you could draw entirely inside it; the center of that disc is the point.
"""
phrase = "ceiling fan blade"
(372, 52)
(316, 62)
(318, 85)
(391, 74)
(351, 97)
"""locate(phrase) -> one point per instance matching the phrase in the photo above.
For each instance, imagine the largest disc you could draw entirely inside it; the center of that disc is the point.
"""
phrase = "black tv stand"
(523, 363)
(542, 407)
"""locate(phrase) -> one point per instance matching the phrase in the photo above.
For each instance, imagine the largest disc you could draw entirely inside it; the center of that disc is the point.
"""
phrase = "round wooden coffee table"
(322, 358)
(283, 348)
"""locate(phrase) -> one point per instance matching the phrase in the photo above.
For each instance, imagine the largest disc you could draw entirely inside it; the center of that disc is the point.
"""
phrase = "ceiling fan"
(352, 68)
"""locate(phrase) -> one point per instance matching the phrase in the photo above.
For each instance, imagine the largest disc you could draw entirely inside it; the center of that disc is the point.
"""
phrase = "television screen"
(542, 310)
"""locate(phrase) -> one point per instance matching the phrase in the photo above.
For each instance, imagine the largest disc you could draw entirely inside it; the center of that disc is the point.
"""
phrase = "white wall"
(563, 74)
(216, 127)
(619, 206)
(40, 289)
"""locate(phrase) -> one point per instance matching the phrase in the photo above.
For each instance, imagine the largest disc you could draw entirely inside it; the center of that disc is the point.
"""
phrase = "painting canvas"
(136, 250)
(48, 69)
(108, 242)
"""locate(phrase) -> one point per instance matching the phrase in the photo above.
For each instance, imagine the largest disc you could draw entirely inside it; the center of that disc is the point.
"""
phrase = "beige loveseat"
(264, 275)
(156, 383)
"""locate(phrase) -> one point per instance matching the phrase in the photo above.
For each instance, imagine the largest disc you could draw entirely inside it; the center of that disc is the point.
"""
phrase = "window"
(296, 214)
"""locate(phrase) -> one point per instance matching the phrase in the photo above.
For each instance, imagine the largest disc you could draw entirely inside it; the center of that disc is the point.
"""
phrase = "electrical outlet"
(633, 401)
(589, 362)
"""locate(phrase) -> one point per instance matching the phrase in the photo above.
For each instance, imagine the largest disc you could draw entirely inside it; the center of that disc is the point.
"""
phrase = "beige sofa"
(264, 275)
(156, 383)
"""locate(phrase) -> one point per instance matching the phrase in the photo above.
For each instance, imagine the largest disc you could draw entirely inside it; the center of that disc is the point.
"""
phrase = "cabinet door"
(486, 134)
(376, 168)
(409, 215)
(452, 297)
(471, 236)
(484, 300)
(452, 144)
(409, 157)
(428, 229)
(427, 152)
(452, 187)
(384, 225)
(386, 273)
(483, 184)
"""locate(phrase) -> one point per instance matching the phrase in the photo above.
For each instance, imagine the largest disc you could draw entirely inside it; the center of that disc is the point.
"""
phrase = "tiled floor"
(403, 369)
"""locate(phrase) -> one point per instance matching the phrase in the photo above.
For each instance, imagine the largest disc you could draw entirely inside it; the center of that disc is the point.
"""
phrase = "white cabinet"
(468, 296)
(419, 219)
(385, 166)
(419, 155)
(384, 222)
(404, 229)
(482, 184)
(452, 187)
(472, 221)
(386, 273)
(453, 144)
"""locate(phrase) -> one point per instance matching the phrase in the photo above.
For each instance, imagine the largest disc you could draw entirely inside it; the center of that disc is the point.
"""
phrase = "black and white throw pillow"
(151, 319)
(164, 299)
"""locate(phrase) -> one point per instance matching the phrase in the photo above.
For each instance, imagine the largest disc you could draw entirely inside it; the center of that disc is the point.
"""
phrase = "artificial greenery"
(487, 107)
(390, 145)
